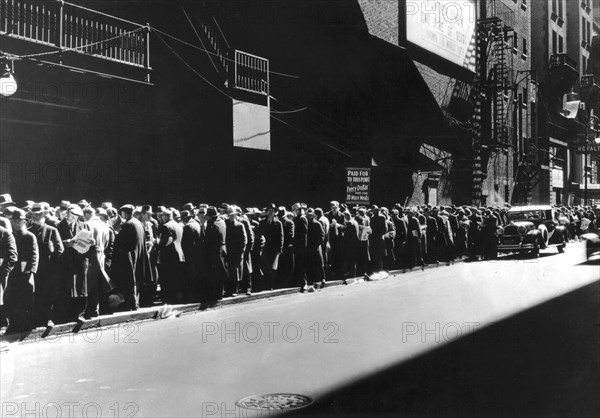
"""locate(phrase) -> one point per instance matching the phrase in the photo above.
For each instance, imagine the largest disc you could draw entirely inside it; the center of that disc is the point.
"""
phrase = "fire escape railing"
(73, 28)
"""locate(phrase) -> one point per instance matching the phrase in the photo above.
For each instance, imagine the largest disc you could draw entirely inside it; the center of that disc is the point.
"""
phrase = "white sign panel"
(445, 28)
(251, 125)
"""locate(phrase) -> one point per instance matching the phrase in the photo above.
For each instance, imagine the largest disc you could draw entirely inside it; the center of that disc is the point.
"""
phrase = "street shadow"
(541, 362)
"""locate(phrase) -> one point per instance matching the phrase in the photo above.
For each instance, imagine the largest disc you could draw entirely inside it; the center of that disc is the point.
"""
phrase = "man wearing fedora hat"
(150, 225)
(300, 242)
(61, 210)
(286, 261)
(216, 253)
(50, 250)
(335, 237)
(236, 241)
(72, 281)
(5, 201)
(170, 259)
(190, 244)
(272, 230)
(315, 238)
(9, 257)
(19, 294)
(130, 266)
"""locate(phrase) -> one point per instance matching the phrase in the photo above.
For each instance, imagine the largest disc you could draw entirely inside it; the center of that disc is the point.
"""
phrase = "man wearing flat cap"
(271, 229)
(72, 282)
(50, 250)
(18, 297)
(9, 258)
(130, 266)
(170, 259)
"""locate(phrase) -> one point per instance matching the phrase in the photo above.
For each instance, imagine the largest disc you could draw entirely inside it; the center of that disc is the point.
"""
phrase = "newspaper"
(83, 241)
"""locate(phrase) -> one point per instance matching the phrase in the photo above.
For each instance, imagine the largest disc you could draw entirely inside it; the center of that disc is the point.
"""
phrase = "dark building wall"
(172, 142)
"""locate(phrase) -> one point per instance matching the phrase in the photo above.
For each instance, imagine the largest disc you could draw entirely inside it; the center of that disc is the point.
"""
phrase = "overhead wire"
(227, 95)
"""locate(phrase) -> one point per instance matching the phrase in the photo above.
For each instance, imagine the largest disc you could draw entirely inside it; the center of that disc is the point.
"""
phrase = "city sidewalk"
(166, 311)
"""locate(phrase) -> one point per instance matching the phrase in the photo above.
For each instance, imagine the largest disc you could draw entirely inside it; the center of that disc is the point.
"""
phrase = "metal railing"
(251, 73)
(70, 27)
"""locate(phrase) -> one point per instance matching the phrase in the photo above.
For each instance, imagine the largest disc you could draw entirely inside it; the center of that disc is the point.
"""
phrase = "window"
(554, 8)
(554, 44)
(560, 44)
(524, 5)
(560, 8)
(524, 99)
(583, 64)
(583, 37)
(515, 44)
(588, 32)
(525, 51)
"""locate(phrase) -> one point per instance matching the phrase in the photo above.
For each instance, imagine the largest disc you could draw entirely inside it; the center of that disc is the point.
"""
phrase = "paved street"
(512, 337)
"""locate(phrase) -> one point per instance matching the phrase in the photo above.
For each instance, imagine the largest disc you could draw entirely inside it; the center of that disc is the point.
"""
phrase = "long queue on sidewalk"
(74, 262)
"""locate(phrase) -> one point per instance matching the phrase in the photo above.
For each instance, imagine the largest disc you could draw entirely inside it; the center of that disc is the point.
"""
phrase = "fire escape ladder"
(216, 45)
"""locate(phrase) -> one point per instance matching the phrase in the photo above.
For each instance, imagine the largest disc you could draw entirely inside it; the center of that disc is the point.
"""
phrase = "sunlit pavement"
(325, 345)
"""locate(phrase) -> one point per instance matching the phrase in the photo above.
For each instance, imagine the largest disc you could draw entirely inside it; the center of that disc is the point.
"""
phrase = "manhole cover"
(274, 401)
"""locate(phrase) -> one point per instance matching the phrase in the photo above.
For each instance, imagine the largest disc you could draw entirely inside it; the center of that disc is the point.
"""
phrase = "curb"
(155, 312)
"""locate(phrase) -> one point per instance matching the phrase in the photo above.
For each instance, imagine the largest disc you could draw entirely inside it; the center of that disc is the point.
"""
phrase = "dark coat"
(300, 231)
(273, 233)
(216, 252)
(351, 240)
(400, 224)
(50, 245)
(315, 235)
(8, 256)
(169, 246)
(288, 232)
(190, 245)
(131, 264)
(236, 239)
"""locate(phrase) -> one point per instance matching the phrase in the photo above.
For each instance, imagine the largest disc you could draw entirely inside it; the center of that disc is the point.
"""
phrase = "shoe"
(311, 289)
(248, 292)
(81, 319)
(322, 285)
(304, 288)
(49, 324)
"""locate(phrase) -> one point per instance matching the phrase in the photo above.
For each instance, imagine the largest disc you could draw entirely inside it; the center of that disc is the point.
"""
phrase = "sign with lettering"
(358, 186)
(445, 28)
(591, 149)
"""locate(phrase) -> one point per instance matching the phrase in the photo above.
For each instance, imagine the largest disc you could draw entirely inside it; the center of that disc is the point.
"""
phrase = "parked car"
(530, 229)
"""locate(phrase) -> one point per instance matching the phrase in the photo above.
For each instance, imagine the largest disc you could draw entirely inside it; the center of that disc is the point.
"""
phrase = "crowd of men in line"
(48, 273)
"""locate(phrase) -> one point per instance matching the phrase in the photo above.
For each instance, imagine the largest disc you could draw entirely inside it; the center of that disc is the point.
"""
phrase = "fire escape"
(491, 93)
(245, 76)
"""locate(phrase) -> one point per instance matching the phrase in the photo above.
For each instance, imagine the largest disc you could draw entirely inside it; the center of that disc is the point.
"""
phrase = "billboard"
(251, 125)
(445, 28)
